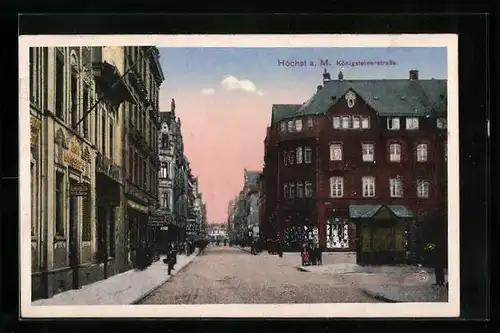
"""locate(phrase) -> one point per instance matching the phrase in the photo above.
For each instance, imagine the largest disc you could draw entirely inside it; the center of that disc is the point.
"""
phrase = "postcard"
(239, 176)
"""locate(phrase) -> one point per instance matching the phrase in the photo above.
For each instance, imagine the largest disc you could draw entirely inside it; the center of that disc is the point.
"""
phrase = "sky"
(224, 98)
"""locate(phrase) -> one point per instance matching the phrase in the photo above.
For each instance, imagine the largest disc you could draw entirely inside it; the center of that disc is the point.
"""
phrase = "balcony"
(110, 84)
(139, 87)
(106, 167)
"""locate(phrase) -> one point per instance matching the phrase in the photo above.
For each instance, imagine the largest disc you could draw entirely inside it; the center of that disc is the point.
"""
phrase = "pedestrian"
(305, 257)
(171, 259)
(439, 263)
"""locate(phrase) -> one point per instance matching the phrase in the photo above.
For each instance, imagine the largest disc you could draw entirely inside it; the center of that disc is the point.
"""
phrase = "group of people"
(311, 254)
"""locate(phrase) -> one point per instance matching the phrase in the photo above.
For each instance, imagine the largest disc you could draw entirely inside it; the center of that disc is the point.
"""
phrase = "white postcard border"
(449, 309)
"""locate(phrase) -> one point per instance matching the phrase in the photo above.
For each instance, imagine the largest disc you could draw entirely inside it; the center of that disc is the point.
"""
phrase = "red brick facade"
(281, 211)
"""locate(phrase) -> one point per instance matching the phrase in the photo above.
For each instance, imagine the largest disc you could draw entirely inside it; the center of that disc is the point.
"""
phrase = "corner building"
(354, 149)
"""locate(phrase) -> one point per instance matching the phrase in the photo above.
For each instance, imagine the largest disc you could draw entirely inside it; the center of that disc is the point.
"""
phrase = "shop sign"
(156, 221)
(73, 156)
(79, 189)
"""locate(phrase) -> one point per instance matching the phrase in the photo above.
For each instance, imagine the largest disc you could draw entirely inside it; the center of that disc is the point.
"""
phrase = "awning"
(368, 211)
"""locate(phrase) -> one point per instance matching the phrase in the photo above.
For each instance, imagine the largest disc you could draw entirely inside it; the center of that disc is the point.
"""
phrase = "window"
(355, 122)
(300, 189)
(130, 162)
(291, 157)
(411, 123)
(33, 198)
(396, 188)
(310, 123)
(74, 99)
(103, 135)
(290, 126)
(308, 189)
(292, 190)
(282, 127)
(395, 152)
(422, 152)
(59, 86)
(308, 155)
(335, 152)
(285, 191)
(393, 123)
(32, 75)
(285, 158)
(422, 188)
(336, 122)
(368, 152)
(85, 107)
(368, 186)
(164, 141)
(365, 122)
(111, 142)
(298, 155)
(336, 187)
(298, 125)
(441, 123)
(59, 204)
(345, 122)
(165, 200)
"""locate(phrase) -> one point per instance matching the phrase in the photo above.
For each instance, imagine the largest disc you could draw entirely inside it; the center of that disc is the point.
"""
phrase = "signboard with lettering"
(79, 189)
(156, 221)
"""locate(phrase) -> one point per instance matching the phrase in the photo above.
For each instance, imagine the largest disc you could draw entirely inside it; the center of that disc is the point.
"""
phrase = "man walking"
(439, 263)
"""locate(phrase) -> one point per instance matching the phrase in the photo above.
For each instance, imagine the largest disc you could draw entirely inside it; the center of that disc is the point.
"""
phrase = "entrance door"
(73, 240)
(102, 238)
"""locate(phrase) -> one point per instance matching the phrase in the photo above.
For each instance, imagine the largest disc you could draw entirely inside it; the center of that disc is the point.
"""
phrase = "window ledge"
(58, 238)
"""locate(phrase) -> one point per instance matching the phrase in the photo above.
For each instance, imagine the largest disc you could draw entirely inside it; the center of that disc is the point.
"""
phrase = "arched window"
(164, 141)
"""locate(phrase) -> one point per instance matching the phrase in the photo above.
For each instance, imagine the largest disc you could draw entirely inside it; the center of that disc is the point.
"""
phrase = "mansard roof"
(401, 97)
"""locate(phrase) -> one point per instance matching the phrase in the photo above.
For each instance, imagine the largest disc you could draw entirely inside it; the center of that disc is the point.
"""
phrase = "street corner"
(377, 295)
(302, 268)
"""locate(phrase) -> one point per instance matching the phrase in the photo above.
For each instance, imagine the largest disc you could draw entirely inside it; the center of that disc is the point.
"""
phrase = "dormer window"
(298, 125)
(411, 123)
(355, 122)
(345, 122)
(290, 126)
(441, 123)
(310, 123)
(392, 123)
(282, 127)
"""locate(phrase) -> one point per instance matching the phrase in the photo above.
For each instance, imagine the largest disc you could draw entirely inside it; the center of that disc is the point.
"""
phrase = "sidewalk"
(121, 289)
(393, 284)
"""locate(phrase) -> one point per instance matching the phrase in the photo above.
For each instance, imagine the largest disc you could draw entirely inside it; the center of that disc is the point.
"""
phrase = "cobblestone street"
(225, 275)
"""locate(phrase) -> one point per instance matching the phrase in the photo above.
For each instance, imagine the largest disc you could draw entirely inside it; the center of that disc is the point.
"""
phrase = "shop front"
(381, 233)
(299, 227)
(109, 208)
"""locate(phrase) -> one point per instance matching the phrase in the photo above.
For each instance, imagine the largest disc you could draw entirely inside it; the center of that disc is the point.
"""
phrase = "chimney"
(341, 76)
(413, 75)
(326, 77)
(318, 88)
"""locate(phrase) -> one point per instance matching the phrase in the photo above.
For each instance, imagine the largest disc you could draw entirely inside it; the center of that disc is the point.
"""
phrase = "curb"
(378, 296)
(152, 290)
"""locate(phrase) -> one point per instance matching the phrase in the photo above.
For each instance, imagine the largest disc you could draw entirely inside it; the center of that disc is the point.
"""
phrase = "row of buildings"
(95, 170)
(357, 150)
(244, 210)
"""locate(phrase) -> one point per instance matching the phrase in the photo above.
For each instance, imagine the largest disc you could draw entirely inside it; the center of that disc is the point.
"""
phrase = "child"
(305, 257)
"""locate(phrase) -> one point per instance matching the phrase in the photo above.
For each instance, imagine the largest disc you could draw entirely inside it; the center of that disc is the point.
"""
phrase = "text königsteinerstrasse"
(341, 63)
